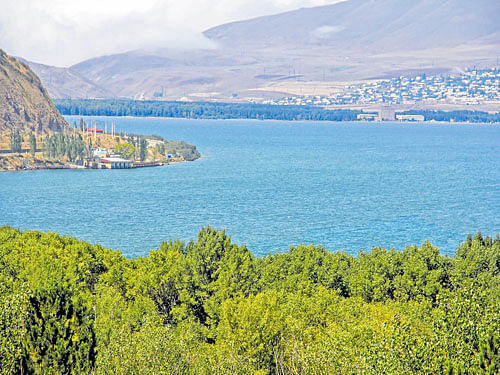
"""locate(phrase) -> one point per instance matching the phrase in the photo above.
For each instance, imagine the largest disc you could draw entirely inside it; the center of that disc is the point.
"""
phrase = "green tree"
(60, 335)
(489, 356)
(126, 150)
(478, 258)
(373, 273)
(32, 144)
(207, 277)
(424, 273)
(13, 330)
(253, 325)
(161, 148)
(463, 326)
(143, 148)
(16, 141)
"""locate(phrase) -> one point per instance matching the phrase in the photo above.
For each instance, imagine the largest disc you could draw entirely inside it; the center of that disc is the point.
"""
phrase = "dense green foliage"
(61, 145)
(15, 140)
(210, 110)
(143, 148)
(32, 141)
(210, 307)
(181, 148)
(199, 110)
(126, 150)
(163, 147)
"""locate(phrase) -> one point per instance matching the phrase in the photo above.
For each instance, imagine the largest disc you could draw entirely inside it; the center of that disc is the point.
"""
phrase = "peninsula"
(34, 135)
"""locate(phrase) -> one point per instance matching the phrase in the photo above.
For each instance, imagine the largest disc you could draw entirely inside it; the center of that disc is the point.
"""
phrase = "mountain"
(165, 73)
(24, 102)
(307, 51)
(363, 26)
(65, 83)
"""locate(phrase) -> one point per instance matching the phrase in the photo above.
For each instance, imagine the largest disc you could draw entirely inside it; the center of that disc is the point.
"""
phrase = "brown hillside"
(24, 102)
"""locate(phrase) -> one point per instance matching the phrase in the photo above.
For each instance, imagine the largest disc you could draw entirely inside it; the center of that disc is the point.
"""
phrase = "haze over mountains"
(307, 51)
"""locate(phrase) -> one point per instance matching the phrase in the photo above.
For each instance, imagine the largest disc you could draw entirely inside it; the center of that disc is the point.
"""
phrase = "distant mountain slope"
(161, 73)
(120, 64)
(379, 25)
(24, 102)
(65, 83)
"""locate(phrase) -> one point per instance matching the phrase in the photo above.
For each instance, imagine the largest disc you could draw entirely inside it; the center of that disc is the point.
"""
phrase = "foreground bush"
(210, 307)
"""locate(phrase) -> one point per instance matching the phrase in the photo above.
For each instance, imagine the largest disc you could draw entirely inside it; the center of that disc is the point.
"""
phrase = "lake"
(272, 184)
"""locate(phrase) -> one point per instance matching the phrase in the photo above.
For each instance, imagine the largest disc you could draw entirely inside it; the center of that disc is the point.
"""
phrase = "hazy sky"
(64, 32)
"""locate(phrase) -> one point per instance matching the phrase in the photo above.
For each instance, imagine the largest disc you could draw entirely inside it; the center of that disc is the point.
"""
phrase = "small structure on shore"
(402, 117)
(115, 162)
(101, 152)
(368, 116)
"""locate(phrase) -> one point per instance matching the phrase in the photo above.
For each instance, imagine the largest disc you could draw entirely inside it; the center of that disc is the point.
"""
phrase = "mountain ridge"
(369, 20)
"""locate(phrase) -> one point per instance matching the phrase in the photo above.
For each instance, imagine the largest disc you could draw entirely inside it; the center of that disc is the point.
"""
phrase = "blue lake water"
(270, 184)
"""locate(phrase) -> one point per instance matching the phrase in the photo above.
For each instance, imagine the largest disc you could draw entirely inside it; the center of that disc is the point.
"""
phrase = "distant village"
(472, 87)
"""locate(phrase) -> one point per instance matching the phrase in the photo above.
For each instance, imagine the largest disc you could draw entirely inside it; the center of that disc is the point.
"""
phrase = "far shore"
(275, 120)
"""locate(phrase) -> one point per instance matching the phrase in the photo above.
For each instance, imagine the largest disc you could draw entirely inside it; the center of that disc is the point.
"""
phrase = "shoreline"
(43, 166)
(318, 121)
(76, 167)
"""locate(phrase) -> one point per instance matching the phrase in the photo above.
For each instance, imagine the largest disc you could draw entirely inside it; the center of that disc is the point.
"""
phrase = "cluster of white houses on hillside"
(472, 86)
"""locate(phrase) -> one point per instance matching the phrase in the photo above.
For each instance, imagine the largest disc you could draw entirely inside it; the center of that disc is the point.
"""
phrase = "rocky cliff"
(24, 102)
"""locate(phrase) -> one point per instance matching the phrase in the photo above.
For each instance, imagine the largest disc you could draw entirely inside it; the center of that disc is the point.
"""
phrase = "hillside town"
(471, 87)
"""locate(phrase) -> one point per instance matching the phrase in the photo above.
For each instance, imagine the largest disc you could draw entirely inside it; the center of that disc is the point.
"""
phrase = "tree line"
(209, 306)
(199, 110)
(456, 116)
(211, 110)
(59, 145)
(16, 141)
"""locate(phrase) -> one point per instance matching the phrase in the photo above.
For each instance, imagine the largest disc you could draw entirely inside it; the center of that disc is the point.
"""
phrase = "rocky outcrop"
(24, 102)
(26, 162)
